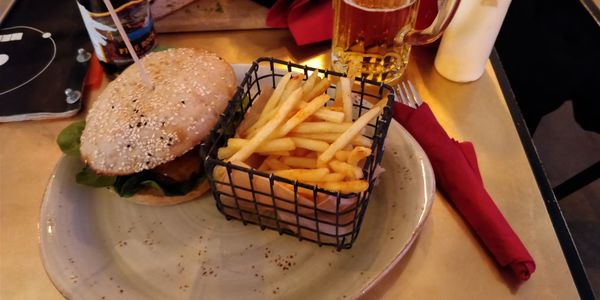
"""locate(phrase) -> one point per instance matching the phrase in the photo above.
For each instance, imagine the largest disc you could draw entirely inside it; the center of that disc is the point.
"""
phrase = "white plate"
(95, 245)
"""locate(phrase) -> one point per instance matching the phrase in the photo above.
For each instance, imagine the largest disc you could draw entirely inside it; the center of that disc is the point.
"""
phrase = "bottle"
(108, 45)
(467, 42)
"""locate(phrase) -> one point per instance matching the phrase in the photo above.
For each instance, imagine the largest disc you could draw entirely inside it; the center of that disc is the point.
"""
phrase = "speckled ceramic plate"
(95, 245)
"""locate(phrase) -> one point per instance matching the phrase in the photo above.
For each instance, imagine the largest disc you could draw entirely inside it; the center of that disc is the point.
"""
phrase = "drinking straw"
(125, 38)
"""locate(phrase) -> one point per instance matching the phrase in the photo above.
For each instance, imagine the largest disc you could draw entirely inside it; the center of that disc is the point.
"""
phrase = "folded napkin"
(457, 175)
(310, 21)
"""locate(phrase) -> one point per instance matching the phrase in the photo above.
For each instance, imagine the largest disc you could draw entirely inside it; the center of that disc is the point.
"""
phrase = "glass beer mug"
(372, 38)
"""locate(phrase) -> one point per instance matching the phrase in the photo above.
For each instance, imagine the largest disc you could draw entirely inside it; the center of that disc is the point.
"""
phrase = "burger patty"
(180, 169)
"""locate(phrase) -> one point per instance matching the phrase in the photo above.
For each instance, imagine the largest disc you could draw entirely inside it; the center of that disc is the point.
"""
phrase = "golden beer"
(372, 38)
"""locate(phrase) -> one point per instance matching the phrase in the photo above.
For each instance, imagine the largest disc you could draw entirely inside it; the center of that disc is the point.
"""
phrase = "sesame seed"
(145, 137)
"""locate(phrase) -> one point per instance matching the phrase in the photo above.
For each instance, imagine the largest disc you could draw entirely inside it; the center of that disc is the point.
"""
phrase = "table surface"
(447, 261)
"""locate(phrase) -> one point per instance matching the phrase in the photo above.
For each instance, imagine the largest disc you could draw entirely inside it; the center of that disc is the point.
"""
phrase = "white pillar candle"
(468, 41)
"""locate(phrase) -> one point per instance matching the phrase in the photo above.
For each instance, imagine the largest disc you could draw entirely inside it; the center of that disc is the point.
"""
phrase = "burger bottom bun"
(152, 197)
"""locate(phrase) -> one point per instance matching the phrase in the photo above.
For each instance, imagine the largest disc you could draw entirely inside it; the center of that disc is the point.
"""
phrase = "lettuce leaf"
(69, 139)
(160, 48)
(127, 186)
(90, 178)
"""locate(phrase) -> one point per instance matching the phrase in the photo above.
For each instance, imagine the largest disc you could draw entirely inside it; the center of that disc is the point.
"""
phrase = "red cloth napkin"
(310, 21)
(457, 175)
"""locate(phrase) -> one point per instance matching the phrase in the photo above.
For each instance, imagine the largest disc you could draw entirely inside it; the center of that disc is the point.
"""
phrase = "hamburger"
(143, 141)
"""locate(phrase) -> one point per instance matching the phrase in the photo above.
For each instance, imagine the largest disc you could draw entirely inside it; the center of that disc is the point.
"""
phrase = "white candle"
(136, 59)
(468, 41)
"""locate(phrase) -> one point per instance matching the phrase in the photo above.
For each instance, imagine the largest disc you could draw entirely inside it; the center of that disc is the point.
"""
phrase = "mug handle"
(446, 11)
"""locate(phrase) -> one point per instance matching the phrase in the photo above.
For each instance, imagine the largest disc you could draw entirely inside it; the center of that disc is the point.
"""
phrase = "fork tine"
(410, 102)
(401, 95)
(416, 96)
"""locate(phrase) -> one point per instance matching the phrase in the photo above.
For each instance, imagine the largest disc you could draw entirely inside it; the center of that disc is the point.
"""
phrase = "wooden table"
(447, 261)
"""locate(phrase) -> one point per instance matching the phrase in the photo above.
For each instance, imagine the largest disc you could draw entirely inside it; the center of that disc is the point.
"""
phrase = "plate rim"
(429, 199)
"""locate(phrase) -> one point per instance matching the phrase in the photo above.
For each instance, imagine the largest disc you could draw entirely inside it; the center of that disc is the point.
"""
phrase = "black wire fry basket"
(300, 210)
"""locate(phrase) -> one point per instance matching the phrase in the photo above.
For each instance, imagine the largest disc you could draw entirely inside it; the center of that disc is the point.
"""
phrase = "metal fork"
(408, 95)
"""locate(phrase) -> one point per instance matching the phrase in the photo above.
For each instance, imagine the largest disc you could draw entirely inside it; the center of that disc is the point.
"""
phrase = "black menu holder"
(39, 43)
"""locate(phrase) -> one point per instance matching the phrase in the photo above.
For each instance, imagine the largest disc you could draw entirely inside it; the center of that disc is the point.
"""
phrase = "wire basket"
(246, 194)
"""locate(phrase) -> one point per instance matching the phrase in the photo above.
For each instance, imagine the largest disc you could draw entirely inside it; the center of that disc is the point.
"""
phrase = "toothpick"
(136, 59)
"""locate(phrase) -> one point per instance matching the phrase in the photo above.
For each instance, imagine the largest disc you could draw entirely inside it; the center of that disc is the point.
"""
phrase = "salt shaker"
(468, 41)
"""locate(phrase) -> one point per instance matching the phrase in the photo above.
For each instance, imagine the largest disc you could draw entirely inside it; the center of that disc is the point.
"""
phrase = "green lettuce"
(90, 178)
(69, 141)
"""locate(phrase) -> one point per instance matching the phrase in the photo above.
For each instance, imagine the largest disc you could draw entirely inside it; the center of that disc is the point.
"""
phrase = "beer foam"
(369, 9)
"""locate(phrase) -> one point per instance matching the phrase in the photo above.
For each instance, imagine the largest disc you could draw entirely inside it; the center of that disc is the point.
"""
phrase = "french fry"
(309, 144)
(382, 103)
(275, 153)
(294, 83)
(264, 132)
(333, 177)
(291, 84)
(226, 152)
(274, 164)
(342, 155)
(301, 115)
(302, 139)
(351, 172)
(317, 90)
(312, 175)
(300, 162)
(326, 114)
(274, 145)
(338, 102)
(310, 82)
(346, 98)
(345, 187)
(251, 132)
(359, 140)
(346, 137)
(263, 166)
(274, 99)
(357, 154)
(313, 127)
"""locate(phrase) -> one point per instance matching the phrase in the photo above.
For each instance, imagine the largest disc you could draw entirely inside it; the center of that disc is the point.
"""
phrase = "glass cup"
(372, 38)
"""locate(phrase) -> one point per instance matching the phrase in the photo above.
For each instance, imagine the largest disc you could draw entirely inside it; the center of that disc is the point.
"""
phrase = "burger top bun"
(131, 127)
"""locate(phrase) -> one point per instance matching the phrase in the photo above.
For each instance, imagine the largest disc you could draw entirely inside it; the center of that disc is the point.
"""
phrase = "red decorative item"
(94, 76)
(310, 21)
(457, 175)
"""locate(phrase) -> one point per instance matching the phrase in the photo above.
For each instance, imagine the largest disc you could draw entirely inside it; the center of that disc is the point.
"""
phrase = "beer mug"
(372, 38)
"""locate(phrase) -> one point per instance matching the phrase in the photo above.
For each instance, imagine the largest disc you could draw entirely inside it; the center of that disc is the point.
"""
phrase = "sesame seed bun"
(131, 128)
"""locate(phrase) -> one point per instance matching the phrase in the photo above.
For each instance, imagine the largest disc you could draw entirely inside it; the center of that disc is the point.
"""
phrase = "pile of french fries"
(299, 138)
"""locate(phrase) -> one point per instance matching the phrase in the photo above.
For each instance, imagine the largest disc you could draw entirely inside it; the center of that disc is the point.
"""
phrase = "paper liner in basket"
(277, 205)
